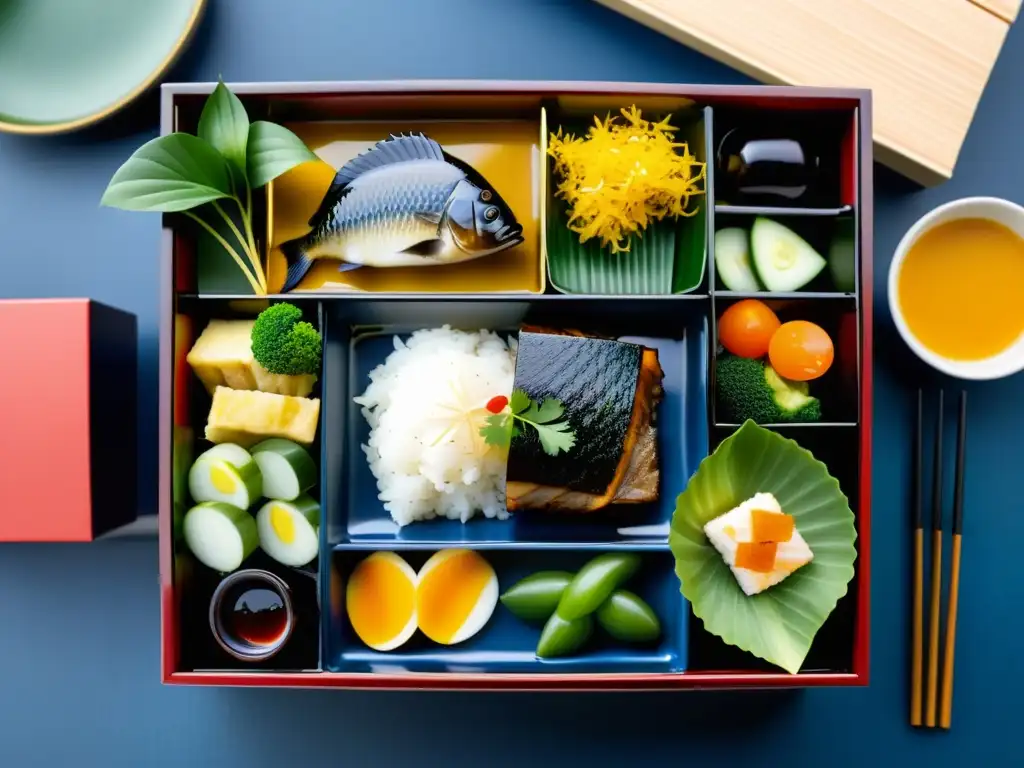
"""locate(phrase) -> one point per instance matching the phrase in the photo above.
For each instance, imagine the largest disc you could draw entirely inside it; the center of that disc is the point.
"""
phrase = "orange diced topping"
(758, 556)
(771, 526)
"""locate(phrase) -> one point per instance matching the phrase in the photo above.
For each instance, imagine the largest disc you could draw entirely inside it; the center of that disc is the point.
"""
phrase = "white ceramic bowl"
(1011, 359)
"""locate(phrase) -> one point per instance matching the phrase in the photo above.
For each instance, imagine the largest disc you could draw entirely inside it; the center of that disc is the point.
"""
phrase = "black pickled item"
(596, 381)
(767, 167)
(251, 614)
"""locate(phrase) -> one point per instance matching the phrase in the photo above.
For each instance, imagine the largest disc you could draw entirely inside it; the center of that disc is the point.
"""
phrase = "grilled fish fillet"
(610, 390)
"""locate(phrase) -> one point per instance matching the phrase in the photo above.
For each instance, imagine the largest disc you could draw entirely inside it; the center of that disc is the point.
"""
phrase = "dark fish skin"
(596, 381)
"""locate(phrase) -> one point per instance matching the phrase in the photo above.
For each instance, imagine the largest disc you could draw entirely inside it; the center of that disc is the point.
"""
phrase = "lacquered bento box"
(671, 303)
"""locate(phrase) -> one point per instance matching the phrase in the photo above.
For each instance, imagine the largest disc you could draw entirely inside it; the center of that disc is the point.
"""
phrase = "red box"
(67, 394)
(182, 294)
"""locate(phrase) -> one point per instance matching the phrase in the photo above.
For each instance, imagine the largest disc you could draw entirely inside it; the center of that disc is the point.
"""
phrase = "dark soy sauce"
(251, 614)
(257, 617)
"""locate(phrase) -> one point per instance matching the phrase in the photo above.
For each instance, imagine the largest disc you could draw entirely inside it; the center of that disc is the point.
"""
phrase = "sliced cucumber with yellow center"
(784, 261)
(221, 536)
(226, 473)
(289, 530)
(287, 468)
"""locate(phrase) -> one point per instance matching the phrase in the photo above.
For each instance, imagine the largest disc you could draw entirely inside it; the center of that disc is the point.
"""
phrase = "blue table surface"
(79, 653)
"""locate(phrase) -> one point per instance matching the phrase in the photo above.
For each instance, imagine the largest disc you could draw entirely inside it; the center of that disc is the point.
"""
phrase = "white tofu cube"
(727, 531)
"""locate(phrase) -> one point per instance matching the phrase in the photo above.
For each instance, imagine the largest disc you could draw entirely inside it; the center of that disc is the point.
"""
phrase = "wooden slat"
(1004, 9)
(926, 61)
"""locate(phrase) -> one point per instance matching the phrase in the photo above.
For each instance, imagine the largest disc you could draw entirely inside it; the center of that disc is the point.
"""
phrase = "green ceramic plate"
(65, 64)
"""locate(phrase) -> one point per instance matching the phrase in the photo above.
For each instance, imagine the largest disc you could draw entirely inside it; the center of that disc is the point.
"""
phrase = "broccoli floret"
(750, 389)
(283, 343)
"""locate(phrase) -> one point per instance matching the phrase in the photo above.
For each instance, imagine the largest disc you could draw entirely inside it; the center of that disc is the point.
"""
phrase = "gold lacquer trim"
(95, 117)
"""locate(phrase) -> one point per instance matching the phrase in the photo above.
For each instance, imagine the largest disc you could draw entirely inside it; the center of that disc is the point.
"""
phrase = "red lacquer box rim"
(754, 95)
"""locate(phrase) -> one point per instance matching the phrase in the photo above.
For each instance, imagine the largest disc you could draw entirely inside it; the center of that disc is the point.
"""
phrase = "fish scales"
(403, 203)
(384, 204)
(596, 381)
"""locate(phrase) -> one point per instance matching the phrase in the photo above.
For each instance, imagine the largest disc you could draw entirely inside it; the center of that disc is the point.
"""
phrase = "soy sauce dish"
(956, 288)
(251, 614)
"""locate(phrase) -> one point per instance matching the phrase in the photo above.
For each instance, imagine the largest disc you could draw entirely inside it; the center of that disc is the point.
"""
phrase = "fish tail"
(297, 260)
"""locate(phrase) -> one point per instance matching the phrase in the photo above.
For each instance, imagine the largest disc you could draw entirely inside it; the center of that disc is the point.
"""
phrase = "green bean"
(626, 617)
(595, 582)
(535, 598)
(561, 637)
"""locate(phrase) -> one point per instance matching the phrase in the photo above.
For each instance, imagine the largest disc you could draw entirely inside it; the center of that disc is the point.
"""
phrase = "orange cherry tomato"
(746, 328)
(800, 351)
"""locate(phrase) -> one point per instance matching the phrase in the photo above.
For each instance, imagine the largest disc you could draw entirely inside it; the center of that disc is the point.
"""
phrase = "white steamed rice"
(425, 405)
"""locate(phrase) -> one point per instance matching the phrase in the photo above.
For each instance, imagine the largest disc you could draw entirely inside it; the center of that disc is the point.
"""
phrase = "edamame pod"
(595, 582)
(628, 618)
(535, 597)
(561, 637)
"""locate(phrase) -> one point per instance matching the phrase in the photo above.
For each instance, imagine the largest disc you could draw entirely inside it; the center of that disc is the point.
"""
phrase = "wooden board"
(926, 61)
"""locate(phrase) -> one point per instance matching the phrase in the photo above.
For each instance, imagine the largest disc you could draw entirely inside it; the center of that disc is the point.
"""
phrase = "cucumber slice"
(287, 468)
(842, 262)
(221, 536)
(226, 473)
(732, 260)
(289, 530)
(784, 261)
(230, 452)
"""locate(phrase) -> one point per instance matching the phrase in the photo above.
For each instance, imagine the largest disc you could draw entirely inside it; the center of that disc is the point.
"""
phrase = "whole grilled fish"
(405, 202)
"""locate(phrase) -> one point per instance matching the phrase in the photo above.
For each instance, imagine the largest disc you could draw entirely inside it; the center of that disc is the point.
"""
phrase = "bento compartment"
(498, 641)
(362, 507)
(768, 355)
(785, 157)
(665, 256)
(500, 152)
(252, 614)
(251, 507)
(833, 648)
(778, 252)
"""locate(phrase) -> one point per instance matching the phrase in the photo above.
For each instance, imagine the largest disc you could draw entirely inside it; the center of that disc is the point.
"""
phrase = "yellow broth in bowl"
(960, 288)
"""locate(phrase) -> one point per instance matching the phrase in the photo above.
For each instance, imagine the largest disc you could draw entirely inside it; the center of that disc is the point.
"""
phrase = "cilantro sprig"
(555, 436)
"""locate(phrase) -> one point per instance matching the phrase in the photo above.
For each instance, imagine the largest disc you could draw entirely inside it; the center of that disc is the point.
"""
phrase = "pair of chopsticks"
(932, 700)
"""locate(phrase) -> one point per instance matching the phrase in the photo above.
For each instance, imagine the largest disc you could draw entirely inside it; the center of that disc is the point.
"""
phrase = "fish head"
(480, 221)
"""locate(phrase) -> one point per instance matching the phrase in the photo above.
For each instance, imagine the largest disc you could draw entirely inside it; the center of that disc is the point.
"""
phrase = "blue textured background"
(79, 658)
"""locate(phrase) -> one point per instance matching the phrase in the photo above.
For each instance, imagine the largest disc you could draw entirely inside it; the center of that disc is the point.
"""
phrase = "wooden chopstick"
(946, 714)
(917, 646)
(936, 576)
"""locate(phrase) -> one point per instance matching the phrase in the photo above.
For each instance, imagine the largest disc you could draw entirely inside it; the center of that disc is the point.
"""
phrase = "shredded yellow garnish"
(623, 176)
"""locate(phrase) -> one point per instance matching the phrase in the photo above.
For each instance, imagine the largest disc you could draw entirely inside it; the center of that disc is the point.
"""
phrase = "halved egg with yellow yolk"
(380, 599)
(456, 595)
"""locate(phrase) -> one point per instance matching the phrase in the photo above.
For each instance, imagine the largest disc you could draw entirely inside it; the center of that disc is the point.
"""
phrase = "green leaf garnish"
(519, 401)
(498, 430)
(170, 173)
(546, 412)
(224, 124)
(554, 436)
(227, 160)
(779, 624)
(273, 150)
